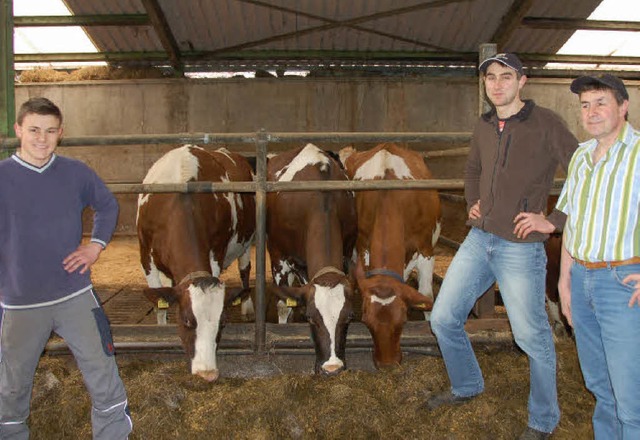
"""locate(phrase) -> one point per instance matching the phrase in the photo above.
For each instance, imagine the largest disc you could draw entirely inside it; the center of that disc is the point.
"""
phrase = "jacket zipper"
(495, 168)
(506, 151)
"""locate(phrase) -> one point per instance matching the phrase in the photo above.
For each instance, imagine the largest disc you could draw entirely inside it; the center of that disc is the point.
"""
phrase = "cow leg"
(247, 310)
(156, 279)
(215, 261)
(557, 324)
(424, 267)
(283, 274)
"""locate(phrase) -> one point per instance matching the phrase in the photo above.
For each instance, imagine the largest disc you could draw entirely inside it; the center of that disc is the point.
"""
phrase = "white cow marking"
(383, 301)
(207, 308)
(165, 170)
(435, 234)
(309, 155)
(424, 267)
(215, 266)
(286, 269)
(329, 302)
(382, 161)
(155, 278)
(226, 153)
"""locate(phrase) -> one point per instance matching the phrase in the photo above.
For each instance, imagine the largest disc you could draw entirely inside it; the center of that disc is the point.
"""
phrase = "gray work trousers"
(81, 322)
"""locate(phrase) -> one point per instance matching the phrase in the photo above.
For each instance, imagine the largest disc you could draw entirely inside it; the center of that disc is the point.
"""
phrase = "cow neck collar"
(193, 275)
(384, 271)
(326, 270)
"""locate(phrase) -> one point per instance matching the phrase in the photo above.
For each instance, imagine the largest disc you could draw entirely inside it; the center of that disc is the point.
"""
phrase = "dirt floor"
(259, 397)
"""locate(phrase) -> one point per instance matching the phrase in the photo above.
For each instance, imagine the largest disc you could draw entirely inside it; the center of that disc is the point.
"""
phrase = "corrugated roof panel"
(367, 25)
(532, 40)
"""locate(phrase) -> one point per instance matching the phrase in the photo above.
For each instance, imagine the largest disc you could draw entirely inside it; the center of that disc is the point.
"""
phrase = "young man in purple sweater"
(45, 277)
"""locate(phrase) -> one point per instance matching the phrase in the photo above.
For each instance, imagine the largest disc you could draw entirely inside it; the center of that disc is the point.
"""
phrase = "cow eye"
(350, 316)
(189, 323)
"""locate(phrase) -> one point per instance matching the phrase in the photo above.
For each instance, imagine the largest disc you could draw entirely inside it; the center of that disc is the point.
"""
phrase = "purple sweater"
(41, 224)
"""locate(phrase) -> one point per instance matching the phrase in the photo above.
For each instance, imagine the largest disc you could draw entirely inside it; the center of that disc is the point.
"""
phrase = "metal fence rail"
(260, 186)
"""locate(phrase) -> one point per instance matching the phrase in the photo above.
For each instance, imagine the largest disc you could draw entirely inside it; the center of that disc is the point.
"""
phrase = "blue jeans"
(607, 334)
(520, 270)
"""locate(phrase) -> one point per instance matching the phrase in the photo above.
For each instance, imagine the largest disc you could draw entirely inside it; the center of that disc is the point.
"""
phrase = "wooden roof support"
(510, 22)
(576, 24)
(83, 20)
(332, 24)
(162, 28)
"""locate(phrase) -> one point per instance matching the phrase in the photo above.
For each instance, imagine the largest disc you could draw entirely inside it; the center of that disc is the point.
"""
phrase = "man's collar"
(33, 167)
(521, 115)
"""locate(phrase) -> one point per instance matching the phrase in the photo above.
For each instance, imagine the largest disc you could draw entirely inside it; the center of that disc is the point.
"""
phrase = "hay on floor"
(167, 402)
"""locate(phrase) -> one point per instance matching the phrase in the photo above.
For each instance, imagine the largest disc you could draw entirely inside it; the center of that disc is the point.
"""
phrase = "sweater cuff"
(100, 242)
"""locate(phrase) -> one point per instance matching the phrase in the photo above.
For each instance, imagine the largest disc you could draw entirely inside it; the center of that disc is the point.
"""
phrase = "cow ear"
(345, 153)
(415, 299)
(167, 294)
(361, 279)
(297, 293)
(230, 295)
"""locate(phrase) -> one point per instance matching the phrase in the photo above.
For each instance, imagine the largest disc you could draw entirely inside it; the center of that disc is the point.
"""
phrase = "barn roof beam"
(163, 30)
(354, 27)
(577, 24)
(318, 56)
(510, 22)
(83, 20)
(332, 24)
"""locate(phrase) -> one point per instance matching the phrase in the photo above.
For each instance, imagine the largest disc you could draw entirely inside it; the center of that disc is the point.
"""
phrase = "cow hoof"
(209, 376)
(250, 317)
(386, 365)
(332, 370)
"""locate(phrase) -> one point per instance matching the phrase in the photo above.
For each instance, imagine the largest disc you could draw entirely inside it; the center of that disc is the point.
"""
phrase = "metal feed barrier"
(291, 337)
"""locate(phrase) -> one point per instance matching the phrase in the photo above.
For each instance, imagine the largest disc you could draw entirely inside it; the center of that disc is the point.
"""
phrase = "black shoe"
(533, 434)
(445, 398)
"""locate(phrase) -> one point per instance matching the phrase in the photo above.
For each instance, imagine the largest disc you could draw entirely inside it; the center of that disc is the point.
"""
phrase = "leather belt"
(603, 264)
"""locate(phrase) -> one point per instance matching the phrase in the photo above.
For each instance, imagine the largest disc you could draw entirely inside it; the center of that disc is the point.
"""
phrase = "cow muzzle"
(209, 375)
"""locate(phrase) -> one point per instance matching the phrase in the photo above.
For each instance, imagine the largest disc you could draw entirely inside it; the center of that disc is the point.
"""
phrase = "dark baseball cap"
(508, 59)
(607, 80)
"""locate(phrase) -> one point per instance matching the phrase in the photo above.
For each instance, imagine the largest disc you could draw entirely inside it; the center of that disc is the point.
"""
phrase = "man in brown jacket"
(515, 151)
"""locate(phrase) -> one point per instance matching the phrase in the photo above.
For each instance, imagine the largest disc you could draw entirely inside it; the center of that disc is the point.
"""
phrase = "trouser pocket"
(105, 331)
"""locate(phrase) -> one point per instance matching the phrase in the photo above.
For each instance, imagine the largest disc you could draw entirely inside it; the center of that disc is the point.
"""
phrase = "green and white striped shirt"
(602, 202)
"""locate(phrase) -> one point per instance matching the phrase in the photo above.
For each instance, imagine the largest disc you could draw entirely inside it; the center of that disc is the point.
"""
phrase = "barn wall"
(278, 104)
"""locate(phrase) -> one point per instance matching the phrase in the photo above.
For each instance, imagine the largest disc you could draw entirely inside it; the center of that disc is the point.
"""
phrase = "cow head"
(200, 319)
(385, 301)
(329, 309)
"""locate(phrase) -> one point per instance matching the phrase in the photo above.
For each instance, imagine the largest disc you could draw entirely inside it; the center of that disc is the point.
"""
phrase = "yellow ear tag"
(421, 306)
(291, 302)
(237, 301)
(163, 304)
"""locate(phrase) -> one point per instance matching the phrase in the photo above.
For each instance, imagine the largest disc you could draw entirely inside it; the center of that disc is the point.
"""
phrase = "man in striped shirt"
(600, 270)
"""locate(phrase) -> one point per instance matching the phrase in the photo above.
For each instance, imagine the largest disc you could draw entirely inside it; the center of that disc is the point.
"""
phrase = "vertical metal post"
(7, 97)
(486, 50)
(261, 234)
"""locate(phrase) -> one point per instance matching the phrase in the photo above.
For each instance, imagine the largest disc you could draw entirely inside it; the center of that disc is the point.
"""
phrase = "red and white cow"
(397, 231)
(186, 240)
(310, 235)
(553, 248)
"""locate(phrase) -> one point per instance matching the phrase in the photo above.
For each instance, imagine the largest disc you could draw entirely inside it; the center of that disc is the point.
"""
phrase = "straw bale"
(88, 73)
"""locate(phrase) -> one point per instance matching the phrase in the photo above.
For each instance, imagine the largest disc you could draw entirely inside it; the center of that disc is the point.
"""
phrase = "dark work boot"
(445, 398)
(533, 434)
